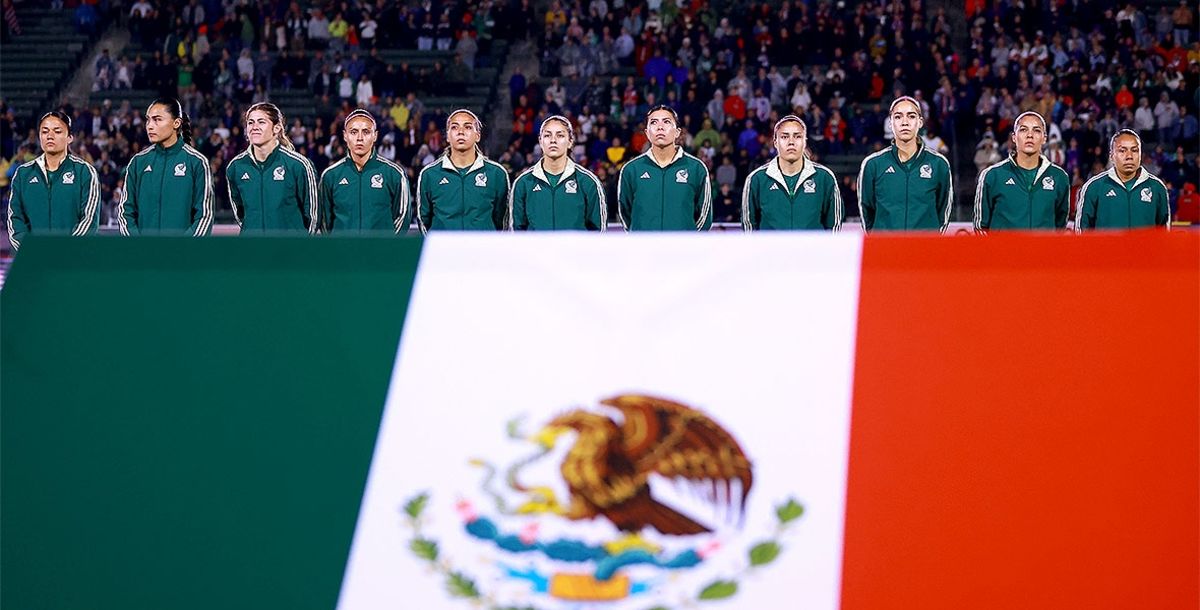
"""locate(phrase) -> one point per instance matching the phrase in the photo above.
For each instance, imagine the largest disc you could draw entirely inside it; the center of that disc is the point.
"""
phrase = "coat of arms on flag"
(606, 470)
(622, 482)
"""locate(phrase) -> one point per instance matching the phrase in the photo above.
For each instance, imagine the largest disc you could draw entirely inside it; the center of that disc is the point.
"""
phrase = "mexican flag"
(566, 422)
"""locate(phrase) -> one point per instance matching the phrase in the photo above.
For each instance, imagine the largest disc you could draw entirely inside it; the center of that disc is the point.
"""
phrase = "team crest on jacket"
(618, 534)
(69, 178)
(180, 169)
(481, 180)
(377, 181)
(1048, 183)
(927, 171)
(810, 186)
(1147, 194)
(681, 175)
(277, 174)
(571, 186)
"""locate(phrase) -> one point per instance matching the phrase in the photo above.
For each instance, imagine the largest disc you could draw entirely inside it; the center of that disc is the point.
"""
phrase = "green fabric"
(1106, 203)
(64, 201)
(472, 200)
(677, 197)
(375, 199)
(1025, 176)
(168, 191)
(279, 194)
(790, 182)
(576, 203)
(809, 200)
(204, 441)
(552, 179)
(915, 195)
(1010, 197)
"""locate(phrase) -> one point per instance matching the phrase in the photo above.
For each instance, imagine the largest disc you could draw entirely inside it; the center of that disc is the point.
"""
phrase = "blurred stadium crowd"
(730, 67)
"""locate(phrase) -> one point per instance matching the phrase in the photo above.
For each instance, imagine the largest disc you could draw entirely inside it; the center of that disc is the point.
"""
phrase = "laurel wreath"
(461, 585)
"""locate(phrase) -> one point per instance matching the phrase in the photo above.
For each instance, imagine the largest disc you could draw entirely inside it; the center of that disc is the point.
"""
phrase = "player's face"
(1029, 136)
(1127, 154)
(790, 141)
(260, 129)
(661, 128)
(906, 121)
(463, 132)
(360, 136)
(555, 140)
(160, 125)
(54, 136)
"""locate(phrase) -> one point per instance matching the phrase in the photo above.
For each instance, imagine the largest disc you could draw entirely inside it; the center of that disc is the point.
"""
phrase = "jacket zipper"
(50, 197)
(262, 196)
(462, 196)
(161, 182)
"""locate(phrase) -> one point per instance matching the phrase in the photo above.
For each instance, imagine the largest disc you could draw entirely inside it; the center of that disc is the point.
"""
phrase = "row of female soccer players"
(272, 188)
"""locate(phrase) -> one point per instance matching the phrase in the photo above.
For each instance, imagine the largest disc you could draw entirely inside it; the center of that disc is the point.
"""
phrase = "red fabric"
(1025, 424)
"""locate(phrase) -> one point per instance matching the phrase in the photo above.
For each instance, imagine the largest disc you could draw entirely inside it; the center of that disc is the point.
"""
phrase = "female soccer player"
(271, 186)
(555, 193)
(56, 192)
(791, 191)
(168, 186)
(364, 192)
(905, 186)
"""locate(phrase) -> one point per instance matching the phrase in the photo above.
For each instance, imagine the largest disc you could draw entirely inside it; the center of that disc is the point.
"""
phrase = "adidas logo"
(246, 176)
(774, 187)
(444, 181)
(33, 180)
(644, 175)
(1111, 194)
(890, 170)
(1010, 181)
(537, 188)
(344, 181)
(148, 169)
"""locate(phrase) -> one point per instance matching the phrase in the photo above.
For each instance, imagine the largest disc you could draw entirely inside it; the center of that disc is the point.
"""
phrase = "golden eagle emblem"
(607, 470)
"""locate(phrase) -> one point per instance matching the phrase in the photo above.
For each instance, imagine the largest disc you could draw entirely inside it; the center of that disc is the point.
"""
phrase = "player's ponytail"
(175, 109)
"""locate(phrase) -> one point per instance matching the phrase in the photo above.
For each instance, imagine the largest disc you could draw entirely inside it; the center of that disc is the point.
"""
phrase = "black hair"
(175, 109)
(58, 114)
(674, 115)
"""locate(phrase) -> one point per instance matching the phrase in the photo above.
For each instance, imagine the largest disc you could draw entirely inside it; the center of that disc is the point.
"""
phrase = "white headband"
(478, 123)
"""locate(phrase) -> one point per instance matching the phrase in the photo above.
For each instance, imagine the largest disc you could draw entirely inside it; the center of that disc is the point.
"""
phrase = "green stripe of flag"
(189, 423)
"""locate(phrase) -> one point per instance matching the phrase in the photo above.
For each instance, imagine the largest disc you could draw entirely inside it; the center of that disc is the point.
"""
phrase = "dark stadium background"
(731, 68)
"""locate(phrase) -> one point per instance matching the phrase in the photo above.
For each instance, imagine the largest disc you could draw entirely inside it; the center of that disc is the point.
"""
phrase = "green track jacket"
(167, 190)
(373, 200)
(677, 197)
(575, 203)
(1105, 203)
(277, 195)
(815, 204)
(1003, 199)
(472, 200)
(62, 201)
(914, 195)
